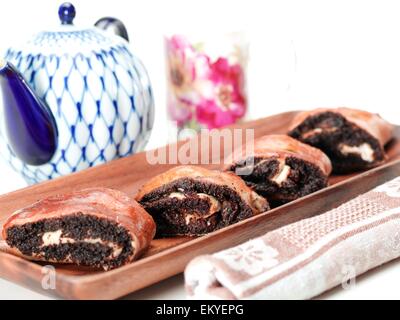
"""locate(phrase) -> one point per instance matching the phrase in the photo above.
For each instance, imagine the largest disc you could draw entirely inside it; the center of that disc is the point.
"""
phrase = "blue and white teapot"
(72, 98)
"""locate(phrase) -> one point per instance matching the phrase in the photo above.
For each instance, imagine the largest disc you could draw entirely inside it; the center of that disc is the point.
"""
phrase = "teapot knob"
(66, 12)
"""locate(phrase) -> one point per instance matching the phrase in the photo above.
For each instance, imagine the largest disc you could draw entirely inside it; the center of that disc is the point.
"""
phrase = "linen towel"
(308, 257)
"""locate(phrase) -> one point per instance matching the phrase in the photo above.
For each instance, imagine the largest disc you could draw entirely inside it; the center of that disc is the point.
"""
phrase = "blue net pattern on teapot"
(81, 37)
(102, 102)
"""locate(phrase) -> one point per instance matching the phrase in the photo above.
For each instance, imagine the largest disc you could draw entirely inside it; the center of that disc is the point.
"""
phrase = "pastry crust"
(280, 168)
(373, 123)
(188, 200)
(204, 175)
(101, 203)
(281, 147)
(353, 139)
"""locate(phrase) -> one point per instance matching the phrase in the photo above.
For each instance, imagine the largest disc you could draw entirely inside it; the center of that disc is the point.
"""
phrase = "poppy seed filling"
(77, 238)
(349, 147)
(282, 181)
(187, 206)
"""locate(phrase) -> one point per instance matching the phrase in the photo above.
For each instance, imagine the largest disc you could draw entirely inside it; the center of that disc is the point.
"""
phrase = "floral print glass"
(205, 89)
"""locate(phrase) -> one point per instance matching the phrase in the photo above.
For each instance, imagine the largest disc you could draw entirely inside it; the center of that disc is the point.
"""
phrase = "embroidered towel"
(306, 258)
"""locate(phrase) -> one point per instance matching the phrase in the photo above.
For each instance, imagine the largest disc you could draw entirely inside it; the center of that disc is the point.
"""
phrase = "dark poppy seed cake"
(189, 200)
(97, 227)
(281, 168)
(353, 139)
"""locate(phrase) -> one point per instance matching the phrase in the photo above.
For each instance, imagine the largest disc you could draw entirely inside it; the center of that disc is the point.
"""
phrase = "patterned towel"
(306, 258)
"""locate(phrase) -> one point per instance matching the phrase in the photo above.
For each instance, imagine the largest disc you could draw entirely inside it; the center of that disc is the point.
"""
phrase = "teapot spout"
(29, 125)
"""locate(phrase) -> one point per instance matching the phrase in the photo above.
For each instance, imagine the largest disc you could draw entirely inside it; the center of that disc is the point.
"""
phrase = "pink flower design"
(201, 92)
(181, 65)
(179, 110)
(185, 65)
(224, 101)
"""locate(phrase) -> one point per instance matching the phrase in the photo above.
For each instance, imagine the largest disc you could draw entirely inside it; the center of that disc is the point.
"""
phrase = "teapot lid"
(70, 39)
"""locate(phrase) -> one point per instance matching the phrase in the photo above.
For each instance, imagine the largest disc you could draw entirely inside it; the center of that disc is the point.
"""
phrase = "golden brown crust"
(281, 147)
(370, 122)
(105, 203)
(204, 175)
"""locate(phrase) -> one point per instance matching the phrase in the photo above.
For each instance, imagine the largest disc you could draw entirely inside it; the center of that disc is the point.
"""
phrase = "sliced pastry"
(280, 168)
(353, 139)
(189, 200)
(97, 227)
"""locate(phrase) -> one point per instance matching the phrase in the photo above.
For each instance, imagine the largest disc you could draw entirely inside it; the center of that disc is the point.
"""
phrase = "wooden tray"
(168, 257)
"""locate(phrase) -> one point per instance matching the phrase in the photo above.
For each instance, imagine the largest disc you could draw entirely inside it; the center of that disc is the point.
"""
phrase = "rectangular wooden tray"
(168, 257)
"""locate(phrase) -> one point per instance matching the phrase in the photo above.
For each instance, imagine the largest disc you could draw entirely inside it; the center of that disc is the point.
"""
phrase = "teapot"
(73, 98)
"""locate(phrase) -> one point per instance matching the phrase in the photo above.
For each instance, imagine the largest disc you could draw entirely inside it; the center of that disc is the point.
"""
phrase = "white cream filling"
(177, 195)
(364, 150)
(189, 217)
(317, 131)
(54, 238)
(282, 174)
(51, 238)
(258, 202)
(311, 132)
(214, 208)
(215, 205)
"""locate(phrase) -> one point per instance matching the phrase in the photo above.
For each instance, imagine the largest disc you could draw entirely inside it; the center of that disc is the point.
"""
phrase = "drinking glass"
(206, 79)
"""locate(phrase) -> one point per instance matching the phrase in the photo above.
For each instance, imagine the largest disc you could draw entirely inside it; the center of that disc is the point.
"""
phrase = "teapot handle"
(114, 25)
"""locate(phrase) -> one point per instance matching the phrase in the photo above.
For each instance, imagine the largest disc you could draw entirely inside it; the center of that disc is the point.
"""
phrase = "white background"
(303, 54)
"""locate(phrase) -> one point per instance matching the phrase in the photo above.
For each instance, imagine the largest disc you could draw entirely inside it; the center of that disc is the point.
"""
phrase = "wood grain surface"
(168, 257)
